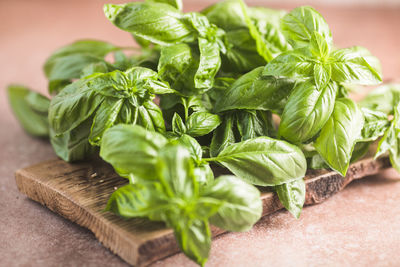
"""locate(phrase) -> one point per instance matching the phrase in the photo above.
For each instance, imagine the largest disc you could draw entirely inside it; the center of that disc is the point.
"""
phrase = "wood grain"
(79, 192)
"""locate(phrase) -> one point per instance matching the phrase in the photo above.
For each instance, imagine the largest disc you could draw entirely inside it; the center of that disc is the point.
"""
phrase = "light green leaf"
(375, 124)
(201, 123)
(132, 150)
(292, 195)
(30, 108)
(178, 126)
(306, 112)
(339, 135)
(242, 206)
(264, 161)
(322, 75)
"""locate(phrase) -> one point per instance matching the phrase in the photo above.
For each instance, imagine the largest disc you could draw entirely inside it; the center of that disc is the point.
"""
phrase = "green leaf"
(350, 66)
(69, 61)
(339, 135)
(178, 65)
(210, 62)
(175, 167)
(292, 195)
(105, 117)
(132, 150)
(139, 200)
(194, 238)
(73, 105)
(306, 112)
(375, 125)
(178, 126)
(253, 90)
(175, 3)
(382, 98)
(300, 24)
(202, 123)
(319, 46)
(30, 108)
(223, 136)
(242, 206)
(322, 75)
(158, 23)
(73, 145)
(294, 63)
(252, 124)
(227, 15)
(264, 161)
(192, 145)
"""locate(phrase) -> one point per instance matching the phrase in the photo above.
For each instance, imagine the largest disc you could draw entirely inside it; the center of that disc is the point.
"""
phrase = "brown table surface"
(359, 226)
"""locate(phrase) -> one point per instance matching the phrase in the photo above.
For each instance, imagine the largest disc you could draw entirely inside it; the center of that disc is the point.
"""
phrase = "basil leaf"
(158, 23)
(175, 3)
(139, 200)
(178, 126)
(360, 150)
(223, 136)
(295, 63)
(68, 62)
(306, 111)
(292, 195)
(132, 150)
(202, 123)
(300, 24)
(375, 124)
(210, 62)
(339, 135)
(322, 75)
(194, 238)
(255, 91)
(227, 15)
(105, 117)
(178, 65)
(175, 166)
(30, 108)
(73, 145)
(264, 161)
(349, 66)
(73, 105)
(242, 206)
(382, 98)
(252, 124)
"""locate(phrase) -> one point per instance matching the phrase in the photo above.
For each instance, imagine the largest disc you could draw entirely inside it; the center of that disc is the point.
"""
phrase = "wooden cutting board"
(79, 192)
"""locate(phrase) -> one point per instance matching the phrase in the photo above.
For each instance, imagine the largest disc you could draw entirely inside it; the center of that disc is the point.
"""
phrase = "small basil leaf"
(105, 117)
(223, 136)
(319, 46)
(97, 67)
(201, 123)
(292, 195)
(307, 110)
(252, 124)
(30, 109)
(339, 135)
(204, 174)
(192, 145)
(349, 66)
(210, 62)
(178, 126)
(154, 118)
(227, 15)
(139, 200)
(264, 161)
(300, 24)
(132, 150)
(158, 23)
(322, 75)
(241, 207)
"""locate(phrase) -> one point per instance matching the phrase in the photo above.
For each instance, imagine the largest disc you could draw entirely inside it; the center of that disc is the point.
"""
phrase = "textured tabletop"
(359, 226)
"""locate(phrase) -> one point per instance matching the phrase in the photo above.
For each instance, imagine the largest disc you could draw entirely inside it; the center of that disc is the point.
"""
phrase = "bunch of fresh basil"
(260, 92)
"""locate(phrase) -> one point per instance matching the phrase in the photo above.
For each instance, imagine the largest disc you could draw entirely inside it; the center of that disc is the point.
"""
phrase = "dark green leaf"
(223, 136)
(177, 124)
(202, 123)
